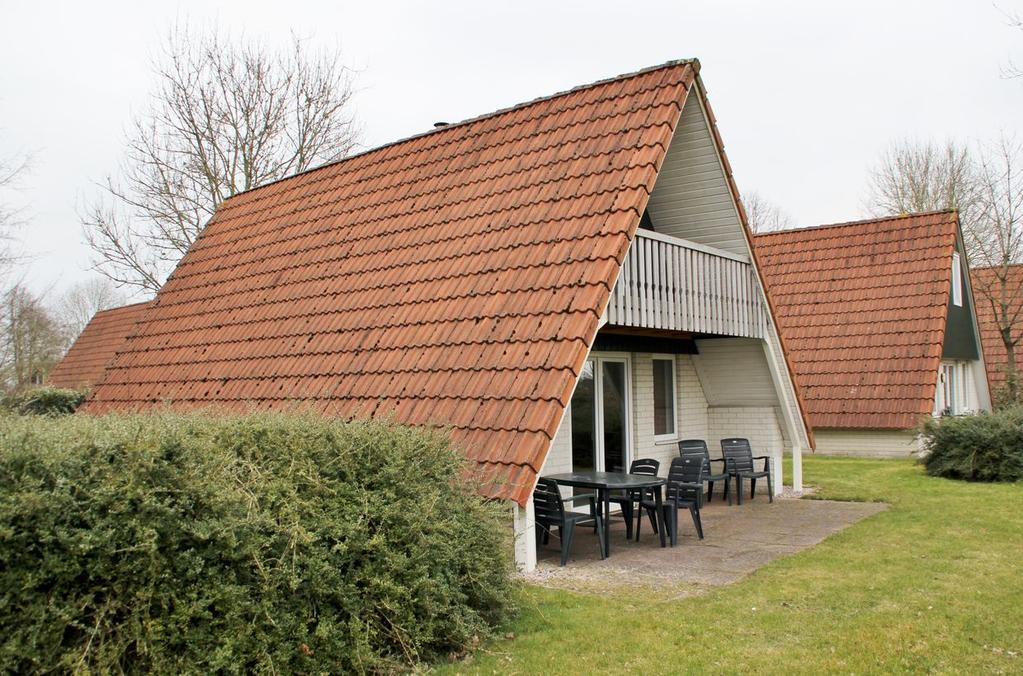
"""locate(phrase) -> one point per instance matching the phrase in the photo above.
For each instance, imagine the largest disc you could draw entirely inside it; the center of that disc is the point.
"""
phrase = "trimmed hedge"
(189, 543)
(44, 401)
(985, 447)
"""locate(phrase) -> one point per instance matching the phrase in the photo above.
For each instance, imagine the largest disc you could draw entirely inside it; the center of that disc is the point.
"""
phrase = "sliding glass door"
(600, 416)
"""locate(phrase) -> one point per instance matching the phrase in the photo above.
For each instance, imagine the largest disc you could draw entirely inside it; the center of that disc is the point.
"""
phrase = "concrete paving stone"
(739, 540)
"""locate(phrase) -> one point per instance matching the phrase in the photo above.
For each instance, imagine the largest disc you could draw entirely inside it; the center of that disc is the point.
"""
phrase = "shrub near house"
(196, 544)
(986, 447)
(43, 401)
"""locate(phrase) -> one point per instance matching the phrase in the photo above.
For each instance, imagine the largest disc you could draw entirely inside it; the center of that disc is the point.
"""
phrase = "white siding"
(691, 198)
(734, 372)
(866, 443)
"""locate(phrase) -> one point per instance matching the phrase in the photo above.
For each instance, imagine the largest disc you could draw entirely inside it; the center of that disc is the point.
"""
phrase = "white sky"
(807, 93)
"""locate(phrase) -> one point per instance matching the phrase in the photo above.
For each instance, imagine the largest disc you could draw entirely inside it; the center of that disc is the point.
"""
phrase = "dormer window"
(957, 280)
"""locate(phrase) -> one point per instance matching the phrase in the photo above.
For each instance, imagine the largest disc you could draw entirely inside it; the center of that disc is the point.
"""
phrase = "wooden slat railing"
(673, 284)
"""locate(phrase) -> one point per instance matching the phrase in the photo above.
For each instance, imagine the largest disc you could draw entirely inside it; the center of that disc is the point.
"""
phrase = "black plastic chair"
(550, 513)
(698, 448)
(628, 500)
(740, 464)
(684, 489)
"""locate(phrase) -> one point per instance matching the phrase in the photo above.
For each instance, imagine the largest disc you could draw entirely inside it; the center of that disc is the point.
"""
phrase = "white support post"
(777, 473)
(797, 469)
(525, 536)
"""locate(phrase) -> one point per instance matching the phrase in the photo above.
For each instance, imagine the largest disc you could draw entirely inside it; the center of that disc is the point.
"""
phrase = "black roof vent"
(438, 125)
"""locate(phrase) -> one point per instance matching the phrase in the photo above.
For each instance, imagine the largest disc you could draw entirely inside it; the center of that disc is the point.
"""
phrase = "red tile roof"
(455, 278)
(84, 363)
(995, 358)
(862, 309)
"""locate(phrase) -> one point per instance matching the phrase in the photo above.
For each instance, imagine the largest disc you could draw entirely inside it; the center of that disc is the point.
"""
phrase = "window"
(664, 397)
(948, 389)
(957, 280)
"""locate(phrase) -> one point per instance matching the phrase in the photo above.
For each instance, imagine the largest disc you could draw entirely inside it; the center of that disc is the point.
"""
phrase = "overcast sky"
(807, 94)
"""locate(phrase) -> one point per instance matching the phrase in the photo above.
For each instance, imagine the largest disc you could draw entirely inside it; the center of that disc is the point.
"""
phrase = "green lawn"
(935, 583)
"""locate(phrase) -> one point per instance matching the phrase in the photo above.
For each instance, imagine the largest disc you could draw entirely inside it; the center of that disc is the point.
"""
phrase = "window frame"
(957, 279)
(670, 358)
(949, 389)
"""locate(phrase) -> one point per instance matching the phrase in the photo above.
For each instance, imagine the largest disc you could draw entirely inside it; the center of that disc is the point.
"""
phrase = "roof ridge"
(863, 221)
(124, 307)
(694, 62)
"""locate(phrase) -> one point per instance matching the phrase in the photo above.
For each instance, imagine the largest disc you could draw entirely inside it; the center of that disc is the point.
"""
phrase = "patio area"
(738, 540)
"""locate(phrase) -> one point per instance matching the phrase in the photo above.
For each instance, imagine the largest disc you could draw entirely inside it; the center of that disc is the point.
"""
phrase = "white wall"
(559, 458)
(759, 424)
(697, 418)
(866, 443)
(734, 372)
(689, 400)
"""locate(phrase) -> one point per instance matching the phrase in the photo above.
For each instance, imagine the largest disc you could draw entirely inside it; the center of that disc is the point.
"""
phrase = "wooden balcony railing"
(677, 285)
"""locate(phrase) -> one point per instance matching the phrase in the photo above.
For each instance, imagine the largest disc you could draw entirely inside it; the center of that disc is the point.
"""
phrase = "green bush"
(44, 401)
(985, 447)
(189, 543)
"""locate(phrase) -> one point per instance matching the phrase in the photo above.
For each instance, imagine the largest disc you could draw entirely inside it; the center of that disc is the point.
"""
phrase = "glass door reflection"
(600, 416)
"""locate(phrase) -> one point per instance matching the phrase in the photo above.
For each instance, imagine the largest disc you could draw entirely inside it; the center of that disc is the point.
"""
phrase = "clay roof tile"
(453, 278)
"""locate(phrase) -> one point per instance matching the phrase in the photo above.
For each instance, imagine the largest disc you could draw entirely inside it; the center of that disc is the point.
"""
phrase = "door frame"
(598, 405)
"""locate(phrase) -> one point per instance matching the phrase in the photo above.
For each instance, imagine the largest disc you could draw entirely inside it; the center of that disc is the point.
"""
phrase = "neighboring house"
(878, 317)
(995, 356)
(87, 359)
(563, 283)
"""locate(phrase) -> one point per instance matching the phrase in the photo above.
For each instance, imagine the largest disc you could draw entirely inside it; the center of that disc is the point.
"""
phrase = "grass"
(933, 584)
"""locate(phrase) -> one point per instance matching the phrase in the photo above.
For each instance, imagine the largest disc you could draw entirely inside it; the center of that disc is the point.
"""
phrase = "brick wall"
(758, 424)
(690, 402)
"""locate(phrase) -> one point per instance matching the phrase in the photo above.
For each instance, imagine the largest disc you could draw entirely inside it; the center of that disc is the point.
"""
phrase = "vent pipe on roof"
(438, 125)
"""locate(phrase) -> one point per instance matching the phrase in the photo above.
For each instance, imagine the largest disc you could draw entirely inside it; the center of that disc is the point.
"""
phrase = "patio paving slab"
(738, 540)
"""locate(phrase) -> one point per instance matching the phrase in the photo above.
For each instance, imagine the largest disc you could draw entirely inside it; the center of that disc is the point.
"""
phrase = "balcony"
(673, 284)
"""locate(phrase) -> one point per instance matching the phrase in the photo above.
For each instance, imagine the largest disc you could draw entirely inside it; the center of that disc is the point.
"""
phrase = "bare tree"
(228, 115)
(763, 215)
(924, 176)
(31, 339)
(11, 171)
(985, 184)
(78, 304)
(997, 244)
(1014, 20)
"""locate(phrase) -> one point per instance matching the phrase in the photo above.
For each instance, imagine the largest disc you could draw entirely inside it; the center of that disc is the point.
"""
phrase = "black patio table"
(604, 483)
